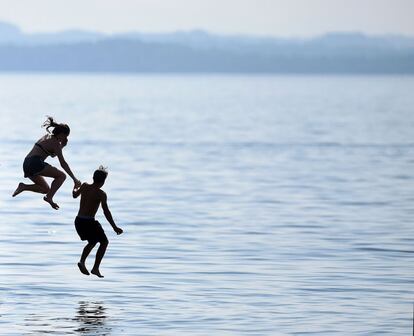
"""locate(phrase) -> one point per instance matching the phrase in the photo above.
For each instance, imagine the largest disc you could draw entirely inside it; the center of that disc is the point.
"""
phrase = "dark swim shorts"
(90, 229)
(33, 165)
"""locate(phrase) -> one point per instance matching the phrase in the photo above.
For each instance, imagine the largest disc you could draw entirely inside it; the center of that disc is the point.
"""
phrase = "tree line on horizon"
(201, 52)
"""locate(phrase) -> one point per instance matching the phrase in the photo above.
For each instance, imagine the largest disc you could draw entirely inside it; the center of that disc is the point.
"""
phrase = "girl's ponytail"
(49, 123)
(57, 128)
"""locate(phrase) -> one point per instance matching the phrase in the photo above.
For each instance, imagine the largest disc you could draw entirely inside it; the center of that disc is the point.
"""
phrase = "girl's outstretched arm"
(65, 165)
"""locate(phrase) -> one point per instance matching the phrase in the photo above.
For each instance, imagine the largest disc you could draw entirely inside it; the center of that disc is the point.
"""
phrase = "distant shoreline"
(212, 74)
(201, 52)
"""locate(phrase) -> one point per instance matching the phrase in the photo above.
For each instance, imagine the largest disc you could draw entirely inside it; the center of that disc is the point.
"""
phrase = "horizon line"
(209, 32)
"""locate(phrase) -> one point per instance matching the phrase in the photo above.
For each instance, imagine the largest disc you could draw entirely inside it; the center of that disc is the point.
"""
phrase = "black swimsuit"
(44, 149)
(33, 165)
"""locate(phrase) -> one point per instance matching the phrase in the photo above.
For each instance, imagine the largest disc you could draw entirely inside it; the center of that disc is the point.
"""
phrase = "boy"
(86, 226)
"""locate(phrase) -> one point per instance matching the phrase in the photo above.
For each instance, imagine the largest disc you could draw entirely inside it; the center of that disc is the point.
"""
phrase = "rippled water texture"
(251, 206)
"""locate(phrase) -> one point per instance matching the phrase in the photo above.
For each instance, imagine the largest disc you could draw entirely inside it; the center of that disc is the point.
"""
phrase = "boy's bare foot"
(18, 190)
(52, 204)
(82, 268)
(97, 273)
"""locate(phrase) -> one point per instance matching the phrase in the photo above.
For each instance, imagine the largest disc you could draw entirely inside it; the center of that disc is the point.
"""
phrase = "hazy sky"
(264, 17)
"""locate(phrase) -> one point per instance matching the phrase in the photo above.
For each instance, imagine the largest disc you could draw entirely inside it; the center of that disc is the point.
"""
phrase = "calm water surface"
(251, 206)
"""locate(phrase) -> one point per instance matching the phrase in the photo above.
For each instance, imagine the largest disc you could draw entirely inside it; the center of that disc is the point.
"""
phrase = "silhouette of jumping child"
(35, 167)
(86, 226)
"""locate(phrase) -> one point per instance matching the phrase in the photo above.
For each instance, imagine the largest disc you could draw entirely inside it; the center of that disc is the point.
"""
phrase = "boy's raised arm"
(77, 191)
(108, 214)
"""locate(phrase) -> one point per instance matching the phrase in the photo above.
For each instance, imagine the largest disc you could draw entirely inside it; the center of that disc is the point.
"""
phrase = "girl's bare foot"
(97, 273)
(83, 268)
(19, 189)
(50, 201)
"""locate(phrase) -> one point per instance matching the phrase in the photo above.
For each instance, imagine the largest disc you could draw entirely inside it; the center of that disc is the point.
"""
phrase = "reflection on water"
(91, 317)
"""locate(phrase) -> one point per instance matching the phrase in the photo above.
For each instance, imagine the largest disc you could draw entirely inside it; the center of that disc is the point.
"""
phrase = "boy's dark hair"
(99, 176)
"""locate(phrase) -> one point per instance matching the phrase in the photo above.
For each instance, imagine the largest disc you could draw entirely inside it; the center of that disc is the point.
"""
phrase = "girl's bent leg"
(58, 179)
(56, 184)
(39, 186)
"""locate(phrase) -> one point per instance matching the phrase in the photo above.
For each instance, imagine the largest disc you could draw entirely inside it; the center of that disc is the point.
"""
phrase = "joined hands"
(77, 184)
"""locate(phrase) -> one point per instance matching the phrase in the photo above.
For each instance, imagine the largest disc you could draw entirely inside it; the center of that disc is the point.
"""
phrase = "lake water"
(252, 205)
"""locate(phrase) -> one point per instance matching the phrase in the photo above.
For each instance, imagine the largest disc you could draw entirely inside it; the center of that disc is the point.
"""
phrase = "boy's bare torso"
(91, 198)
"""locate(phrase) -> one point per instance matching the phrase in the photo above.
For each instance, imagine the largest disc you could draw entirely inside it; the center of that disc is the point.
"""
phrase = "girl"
(35, 167)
